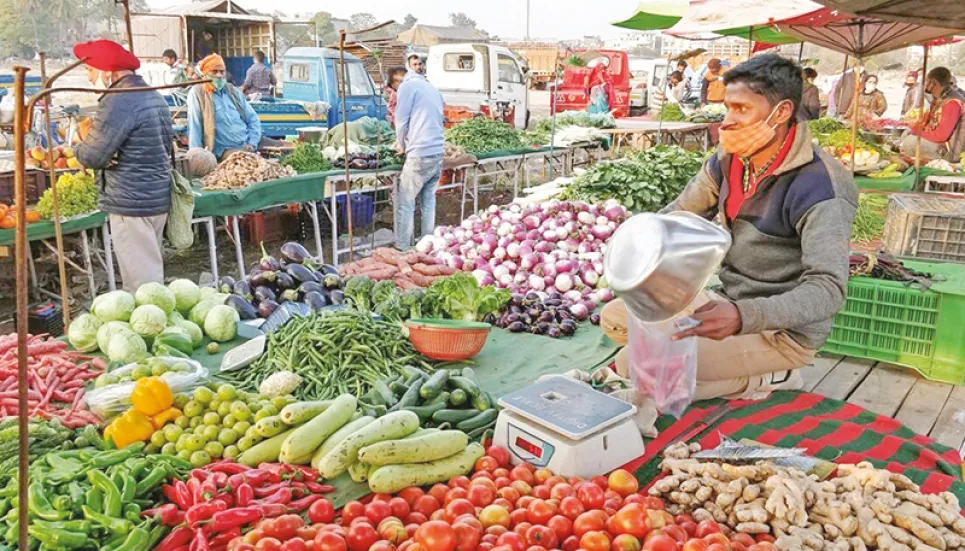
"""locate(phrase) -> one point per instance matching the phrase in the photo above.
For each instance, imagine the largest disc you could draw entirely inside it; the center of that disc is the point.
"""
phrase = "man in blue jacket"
(220, 119)
(418, 128)
(130, 146)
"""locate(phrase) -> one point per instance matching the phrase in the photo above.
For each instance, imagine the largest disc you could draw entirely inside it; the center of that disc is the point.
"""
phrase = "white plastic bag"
(116, 398)
(660, 367)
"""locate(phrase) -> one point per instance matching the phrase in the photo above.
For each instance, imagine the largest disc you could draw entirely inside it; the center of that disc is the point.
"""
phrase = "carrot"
(406, 284)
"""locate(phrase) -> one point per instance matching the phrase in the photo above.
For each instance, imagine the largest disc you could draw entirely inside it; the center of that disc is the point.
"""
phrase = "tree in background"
(409, 22)
(363, 21)
(462, 20)
(324, 28)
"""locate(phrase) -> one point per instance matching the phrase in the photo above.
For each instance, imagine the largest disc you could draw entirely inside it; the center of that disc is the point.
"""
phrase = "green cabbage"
(108, 330)
(207, 292)
(126, 347)
(174, 317)
(113, 306)
(186, 294)
(221, 323)
(83, 332)
(156, 294)
(200, 310)
(193, 331)
(148, 320)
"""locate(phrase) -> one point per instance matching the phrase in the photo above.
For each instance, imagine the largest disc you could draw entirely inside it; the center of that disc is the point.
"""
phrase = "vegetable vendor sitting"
(220, 119)
(788, 206)
(942, 129)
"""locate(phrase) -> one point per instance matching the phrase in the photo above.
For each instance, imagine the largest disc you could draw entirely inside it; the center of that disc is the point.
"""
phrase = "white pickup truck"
(480, 77)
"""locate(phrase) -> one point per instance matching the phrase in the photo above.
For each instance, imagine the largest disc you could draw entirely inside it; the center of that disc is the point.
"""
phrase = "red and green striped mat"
(829, 429)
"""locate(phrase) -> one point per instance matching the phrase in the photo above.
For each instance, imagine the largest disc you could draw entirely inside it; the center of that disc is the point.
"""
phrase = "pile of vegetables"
(859, 507)
(42, 437)
(306, 159)
(76, 195)
(481, 135)
(55, 380)
(449, 398)
(411, 270)
(369, 158)
(552, 246)
(825, 125)
(383, 299)
(552, 314)
(241, 169)
(577, 118)
(887, 267)
(642, 182)
(712, 112)
(869, 220)
(671, 112)
(334, 352)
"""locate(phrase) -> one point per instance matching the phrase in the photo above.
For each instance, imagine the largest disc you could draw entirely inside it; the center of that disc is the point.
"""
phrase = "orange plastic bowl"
(447, 340)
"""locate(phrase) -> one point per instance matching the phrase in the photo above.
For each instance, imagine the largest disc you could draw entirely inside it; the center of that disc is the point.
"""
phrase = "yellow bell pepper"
(132, 426)
(165, 417)
(151, 396)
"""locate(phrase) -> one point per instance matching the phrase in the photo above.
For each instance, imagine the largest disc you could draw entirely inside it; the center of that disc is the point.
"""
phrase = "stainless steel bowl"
(657, 263)
(311, 134)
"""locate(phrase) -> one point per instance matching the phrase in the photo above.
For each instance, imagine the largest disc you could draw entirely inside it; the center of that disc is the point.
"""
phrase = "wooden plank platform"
(927, 407)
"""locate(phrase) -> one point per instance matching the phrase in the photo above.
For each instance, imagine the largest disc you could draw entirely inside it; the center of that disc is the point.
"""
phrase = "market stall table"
(950, 184)
(640, 134)
(386, 179)
(905, 182)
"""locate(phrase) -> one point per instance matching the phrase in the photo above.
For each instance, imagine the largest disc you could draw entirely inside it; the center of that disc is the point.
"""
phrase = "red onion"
(528, 261)
(533, 235)
(601, 232)
(550, 235)
(579, 311)
(585, 218)
(565, 267)
(500, 271)
(589, 276)
(521, 277)
(605, 294)
(511, 266)
(513, 250)
(484, 278)
(505, 280)
(548, 280)
(519, 236)
(549, 269)
(563, 282)
(531, 222)
(535, 282)
(477, 238)
(544, 246)
(499, 253)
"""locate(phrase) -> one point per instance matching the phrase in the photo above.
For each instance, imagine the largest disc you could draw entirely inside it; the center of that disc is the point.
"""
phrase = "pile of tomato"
(501, 508)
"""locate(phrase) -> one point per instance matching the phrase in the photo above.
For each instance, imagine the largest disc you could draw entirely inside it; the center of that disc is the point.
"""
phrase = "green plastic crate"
(890, 322)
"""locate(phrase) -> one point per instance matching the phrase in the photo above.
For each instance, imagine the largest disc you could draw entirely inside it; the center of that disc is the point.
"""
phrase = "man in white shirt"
(175, 72)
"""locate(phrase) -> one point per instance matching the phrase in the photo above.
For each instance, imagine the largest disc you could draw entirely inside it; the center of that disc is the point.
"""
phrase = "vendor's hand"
(249, 148)
(718, 319)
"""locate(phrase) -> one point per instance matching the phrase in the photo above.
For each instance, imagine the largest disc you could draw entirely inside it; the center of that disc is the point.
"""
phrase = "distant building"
(727, 47)
(630, 41)
(429, 35)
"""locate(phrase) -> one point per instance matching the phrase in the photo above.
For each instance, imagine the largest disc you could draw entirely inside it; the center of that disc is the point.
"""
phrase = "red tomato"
(512, 540)
(680, 519)
(762, 546)
(485, 546)
(337, 529)
(562, 490)
(376, 511)
(695, 545)
(600, 481)
(361, 536)
(706, 527)
(735, 546)
(540, 512)
(522, 487)
(400, 508)
(494, 515)
(522, 528)
(382, 546)
(410, 530)
(268, 544)
(571, 543)
(571, 507)
(718, 547)
(489, 538)
(524, 502)
(500, 454)
(554, 480)
(351, 511)
(654, 503)
(307, 533)
(589, 521)
(623, 482)
(467, 536)
(542, 475)
(321, 511)
(459, 482)
(458, 507)
(481, 495)
(595, 541)
(536, 548)
(486, 463)
(438, 515)
(415, 517)
(742, 538)
(613, 504)
(717, 537)
(541, 491)
(635, 498)
(626, 542)
(661, 542)
(522, 473)
(410, 494)
(541, 535)
(294, 544)
(454, 494)
(677, 533)
(690, 527)
(631, 519)
(284, 527)
(497, 530)
(591, 495)
(562, 526)
(436, 536)
(487, 482)
(381, 497)
(439, 492)
(502, 471)
(659, 519)
(426, 505)
(504, 503)
(241, 547)
(517, 516)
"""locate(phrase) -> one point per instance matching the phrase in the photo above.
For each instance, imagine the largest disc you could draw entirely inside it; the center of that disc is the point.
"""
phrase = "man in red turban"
(130, 147)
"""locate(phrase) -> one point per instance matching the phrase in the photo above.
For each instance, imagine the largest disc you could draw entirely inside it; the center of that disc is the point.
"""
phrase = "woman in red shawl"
(601, 87)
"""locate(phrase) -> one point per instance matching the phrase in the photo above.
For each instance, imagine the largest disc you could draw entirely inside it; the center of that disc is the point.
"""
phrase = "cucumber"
(425, 412)
(441, 398)
(359, 472)
(392, 478)
(410, 398)
(301, 412)
(435, 384)
(308, 437)
(266, 451)
(479, 420)
(392, 426)
(398, 388)
(454, 415)
(270, 426)
(470, 374)
(411, 372)
(338, 436)
(481, 402)
(426, 447)
(466, 385)
(458, 397)
(382, 390)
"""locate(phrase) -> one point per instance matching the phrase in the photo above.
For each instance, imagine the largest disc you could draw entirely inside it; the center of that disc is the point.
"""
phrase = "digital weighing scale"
(568, 427)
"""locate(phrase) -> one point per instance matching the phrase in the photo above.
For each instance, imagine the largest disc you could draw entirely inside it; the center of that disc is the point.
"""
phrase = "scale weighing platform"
(568, 427)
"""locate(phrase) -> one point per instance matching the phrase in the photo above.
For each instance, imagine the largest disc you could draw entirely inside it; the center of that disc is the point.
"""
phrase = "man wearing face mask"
(220, 119)
(130, 147)
(912, 93)
(871, 102)
(788, 207)
(942, 128)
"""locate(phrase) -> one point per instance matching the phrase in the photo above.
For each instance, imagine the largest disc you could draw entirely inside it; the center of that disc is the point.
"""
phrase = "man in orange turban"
(220, 119)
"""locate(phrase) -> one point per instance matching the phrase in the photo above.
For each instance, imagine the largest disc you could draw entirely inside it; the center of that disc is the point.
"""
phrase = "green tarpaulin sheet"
(45, 228)
(906, 182)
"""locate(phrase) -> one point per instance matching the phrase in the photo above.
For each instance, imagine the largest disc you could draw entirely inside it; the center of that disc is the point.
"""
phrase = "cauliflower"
(280, 384)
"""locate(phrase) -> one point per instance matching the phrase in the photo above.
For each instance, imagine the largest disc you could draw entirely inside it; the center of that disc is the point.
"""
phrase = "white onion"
(513, 250)
(505, 281)
(535, 282)
(563, 282)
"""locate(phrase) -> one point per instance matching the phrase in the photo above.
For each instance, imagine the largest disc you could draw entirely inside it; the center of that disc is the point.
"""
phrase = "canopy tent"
(655, 15)
(937, 13)
(748, 19)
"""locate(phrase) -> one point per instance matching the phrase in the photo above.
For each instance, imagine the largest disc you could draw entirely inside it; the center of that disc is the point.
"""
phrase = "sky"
(560, 19)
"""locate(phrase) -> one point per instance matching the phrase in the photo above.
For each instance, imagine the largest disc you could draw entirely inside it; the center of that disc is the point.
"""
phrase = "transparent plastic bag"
(116, 398)
(660, 367)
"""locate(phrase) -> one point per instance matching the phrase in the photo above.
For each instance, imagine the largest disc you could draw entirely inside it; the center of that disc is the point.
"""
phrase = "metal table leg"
(313, 214)
(334, 219)
(108, 257)
(212, 246)
(33, 269)
(88, 264)
(239, 250)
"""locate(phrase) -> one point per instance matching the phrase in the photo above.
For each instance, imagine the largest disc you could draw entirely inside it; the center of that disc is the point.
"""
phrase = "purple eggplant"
(284, 281)
(267, 308)
(244, 308)
(294, 253)
(226, 284)
(489, 318)
(263, 279)
(308, 287)
(332, 281)
(288, 294)
(336, 296)
(517, 327)
(263, 293)
(300, 273)
(242, 288)
(595, 318)
(315, 300)
(554, 332)
(328, 269)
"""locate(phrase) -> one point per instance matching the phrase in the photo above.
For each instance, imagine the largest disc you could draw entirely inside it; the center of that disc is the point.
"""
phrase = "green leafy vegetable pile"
(824, 125)
(869, 220)
(671, 112)
(461, 297)
(76, 195)
(307, 158)
(481, 135)
(577, 118)
(644, 182)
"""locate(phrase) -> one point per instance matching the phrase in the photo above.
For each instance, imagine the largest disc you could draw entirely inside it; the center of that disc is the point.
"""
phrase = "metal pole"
(921, 115)
(800, 54)
(527, 19)
(58, 232)
(127, 23)
(750, 42)
(556, 79)
(856, 105)
(20, 198)
(348, 175)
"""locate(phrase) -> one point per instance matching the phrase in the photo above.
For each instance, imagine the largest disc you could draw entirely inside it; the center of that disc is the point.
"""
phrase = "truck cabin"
(315, 75)
(573, 93)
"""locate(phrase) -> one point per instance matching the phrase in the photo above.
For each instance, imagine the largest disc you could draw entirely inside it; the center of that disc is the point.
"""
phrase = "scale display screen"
(523, 444)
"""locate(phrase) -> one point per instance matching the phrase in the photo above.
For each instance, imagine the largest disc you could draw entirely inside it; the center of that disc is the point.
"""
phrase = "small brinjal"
(568, 327)
(489, 318)
(554, 332)
(547, 317)
(263, 279)
(284, 281)
(315, 300)
(267, 261)
(517, 299)
(516, 327)
(294, 253)
(336, 296)
(301, 273)
(332, 281)
(263, 293)
(242, 288)
(530, 298)
(267, 308)
(244, 308)
(328, 269)
(595, 318)
(308, 287)
(226, 284)
(288, 294)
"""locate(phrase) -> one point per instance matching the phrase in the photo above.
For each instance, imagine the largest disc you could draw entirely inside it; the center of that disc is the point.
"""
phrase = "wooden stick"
(348, 171)
(921, 116)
